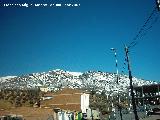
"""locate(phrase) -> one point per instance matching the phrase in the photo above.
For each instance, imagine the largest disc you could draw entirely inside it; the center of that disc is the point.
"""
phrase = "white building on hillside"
(44, 89)
(84, 102)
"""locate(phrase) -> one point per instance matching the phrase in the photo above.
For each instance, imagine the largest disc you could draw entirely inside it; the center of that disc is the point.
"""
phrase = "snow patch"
(75, 73)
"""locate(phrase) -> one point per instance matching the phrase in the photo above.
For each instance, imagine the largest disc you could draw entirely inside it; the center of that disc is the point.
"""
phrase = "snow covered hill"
(3, 79)
(91, 80)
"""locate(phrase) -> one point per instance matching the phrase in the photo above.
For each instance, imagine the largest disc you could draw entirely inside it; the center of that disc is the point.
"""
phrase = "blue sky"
(38, 39)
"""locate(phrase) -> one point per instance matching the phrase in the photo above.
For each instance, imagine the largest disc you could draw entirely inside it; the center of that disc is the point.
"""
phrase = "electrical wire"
(152, 19)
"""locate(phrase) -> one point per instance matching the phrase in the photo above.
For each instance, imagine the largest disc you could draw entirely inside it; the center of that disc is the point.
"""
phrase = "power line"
(152, 19)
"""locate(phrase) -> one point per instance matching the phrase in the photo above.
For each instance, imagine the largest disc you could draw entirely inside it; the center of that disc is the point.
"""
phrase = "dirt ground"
(30, 113)
(67, 99)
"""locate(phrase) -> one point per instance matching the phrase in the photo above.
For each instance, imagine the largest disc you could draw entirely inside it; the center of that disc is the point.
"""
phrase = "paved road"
(130, 116)
(153, 117)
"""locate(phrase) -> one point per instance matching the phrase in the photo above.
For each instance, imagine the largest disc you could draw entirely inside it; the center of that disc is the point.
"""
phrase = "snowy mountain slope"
(92, 80)
(3, 79)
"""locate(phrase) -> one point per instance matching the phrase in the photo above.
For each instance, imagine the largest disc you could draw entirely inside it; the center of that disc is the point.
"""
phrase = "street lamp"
(115, 54)
(117, 81)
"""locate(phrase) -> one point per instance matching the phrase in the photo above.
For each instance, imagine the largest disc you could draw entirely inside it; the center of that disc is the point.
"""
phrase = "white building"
(44, 89)
(84, 102)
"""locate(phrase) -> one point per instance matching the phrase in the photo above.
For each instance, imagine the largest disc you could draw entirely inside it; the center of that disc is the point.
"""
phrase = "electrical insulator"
(158, 4)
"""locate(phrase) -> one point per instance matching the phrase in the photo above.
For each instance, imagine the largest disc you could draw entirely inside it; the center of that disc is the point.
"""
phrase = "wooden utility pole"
(131, 86)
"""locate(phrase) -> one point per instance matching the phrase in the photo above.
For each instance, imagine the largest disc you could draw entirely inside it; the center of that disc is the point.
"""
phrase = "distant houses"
(47, 88)
(70, 104)
(44, 89)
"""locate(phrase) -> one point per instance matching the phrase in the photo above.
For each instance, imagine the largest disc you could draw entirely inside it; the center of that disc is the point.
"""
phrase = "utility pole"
(117, 81)
(131, 86)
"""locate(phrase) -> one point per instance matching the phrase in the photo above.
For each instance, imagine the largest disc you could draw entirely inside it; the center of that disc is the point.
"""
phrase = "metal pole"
(119, 107)
(131, 86)
(115, 54)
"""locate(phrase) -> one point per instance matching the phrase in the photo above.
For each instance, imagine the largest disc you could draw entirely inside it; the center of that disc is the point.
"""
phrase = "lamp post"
(117, 79)
(115, 55)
